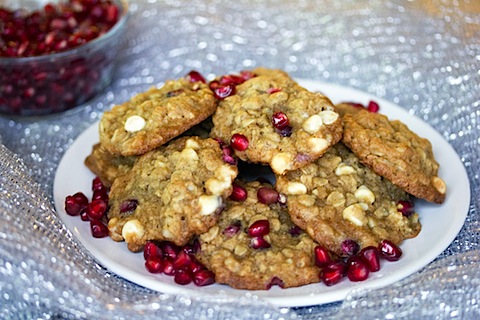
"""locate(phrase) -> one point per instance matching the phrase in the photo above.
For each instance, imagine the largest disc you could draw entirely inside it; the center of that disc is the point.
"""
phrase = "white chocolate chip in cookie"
(132, 231)
(355, 214)
(192, 144)
(189, 154)
(209, 204)
(364, 194)
(328, 116)
(313, 124)
(343, 168)
(281, 162)
(296, 188)
(318, 145)
(134, 123)
(439, 184)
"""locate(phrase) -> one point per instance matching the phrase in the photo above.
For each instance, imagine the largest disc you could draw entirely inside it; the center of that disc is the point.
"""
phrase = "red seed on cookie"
(128, 205)
(373, 107)
(195, 76)
(259, 228)
(239, 193)
(231, 79)
(76, 203)
(273, 90)
(267, 195)
(247, 75)
(405, 207)
(232, 229)
(259, 243)
(222, 91)
(280, 120)
(389, 250)
(349, 247)
(239, 142)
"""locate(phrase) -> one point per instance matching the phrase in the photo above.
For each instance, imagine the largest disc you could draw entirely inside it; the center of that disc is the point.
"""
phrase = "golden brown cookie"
(338, 199)
(156, 116)
(106, 165)
(274, 121)
(172, 193)
(393, 151)
(282, 256)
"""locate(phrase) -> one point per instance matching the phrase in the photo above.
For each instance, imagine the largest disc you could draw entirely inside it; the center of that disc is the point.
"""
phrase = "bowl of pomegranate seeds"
(57, 56)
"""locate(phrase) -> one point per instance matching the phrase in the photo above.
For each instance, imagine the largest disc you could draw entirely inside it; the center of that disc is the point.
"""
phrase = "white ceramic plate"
(441, 223)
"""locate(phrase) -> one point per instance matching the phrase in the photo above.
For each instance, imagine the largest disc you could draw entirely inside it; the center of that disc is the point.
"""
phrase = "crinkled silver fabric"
(421, 55)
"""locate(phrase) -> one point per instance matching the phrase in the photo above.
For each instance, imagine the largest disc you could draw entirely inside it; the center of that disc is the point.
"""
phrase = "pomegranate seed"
(100, 194)
(196, 266)
(183, 260)
(151, 250)
(259, 243)
(267, 195)
(195, 76)
(259, 228)
(232, 229)
(96, 209)
(285, 131)
(273, 90)
(203, 278)
(154, 264)
(389, 250)
(231, 79)
(192, 248)
(349, 247)
(405, 207)
(239, 142)
(182, 277)
(128, 205)
(275, 282)
(227, 155)
(295, 231)
(373, 107)
(98, 229)
(239, 193)
(357, 269)
(280, 120)
(84, 216)
(76, 203)
(169, 250)
(332, 273)
(247, 75)
(322, 256)
(168, 267)
(371, 256)
(222, 91)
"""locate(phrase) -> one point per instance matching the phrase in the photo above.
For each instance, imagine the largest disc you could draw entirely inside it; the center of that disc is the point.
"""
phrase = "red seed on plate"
(332, 273)
(96, 209)
(151, 250)
(203, 278)
(154, 264)
(322, 256)
(76, 203)
(371, 255)
(357, 269)
(98, 229)
(389, 250)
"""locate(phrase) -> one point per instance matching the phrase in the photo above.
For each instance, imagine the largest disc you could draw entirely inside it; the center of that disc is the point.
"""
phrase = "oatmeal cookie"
(156, 116)
(346, 108)
(285, 258)
(396, 153)
(106, 165)
(285, 125)
(172, 193)
(337, 198)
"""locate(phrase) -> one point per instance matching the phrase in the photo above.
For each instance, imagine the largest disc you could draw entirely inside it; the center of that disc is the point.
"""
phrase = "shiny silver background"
(421, 55)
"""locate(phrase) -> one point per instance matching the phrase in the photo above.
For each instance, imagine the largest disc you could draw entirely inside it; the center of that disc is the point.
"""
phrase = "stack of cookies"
(335, 175)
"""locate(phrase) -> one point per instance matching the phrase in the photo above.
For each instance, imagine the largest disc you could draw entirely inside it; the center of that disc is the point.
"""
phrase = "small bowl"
(55, 82)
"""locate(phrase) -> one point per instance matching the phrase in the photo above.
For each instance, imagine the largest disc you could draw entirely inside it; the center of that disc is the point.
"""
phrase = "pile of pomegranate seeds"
(93, 211)
(179, 262)
(372, 106)
(354, 265)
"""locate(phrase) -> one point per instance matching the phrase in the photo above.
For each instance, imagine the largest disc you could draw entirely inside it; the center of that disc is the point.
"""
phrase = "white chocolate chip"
(318, 145)
(209, 204)
(313, 124)
(355, 214)
(132, 231)
(189, 154)
(343, 168)
(439, 184)
(281, 162)
(192, 144)
(134, 124)
(296, 188)
(364, 194)
(328, 117)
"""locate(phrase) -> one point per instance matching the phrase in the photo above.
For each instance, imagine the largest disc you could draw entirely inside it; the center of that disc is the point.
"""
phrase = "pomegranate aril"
(239, 193)
(169, 250)
(405, 207)
(259, 228)
(371, 256)
(84, 216)
(389, 250)
(227, 155)
(295, 231)
(259, 243)
(322, 256)
(182, 277)
(203, 278)
(349, 247)
(154, 264)
(128, 205)
(239, 142)
(195, 76)
(196, 266)
(192, 247)
(273, 90)
(357, 269)
(373, 107)
(285, 131)
(100, 194)
(247, 75)
(98, 229)
(151, 250)
(232, 229)
(182, 261)
(280, 120)
(222, 91)
(96, 209)
(231, 79)
(267, 195)
(168, 267)
(332, 273)
(74, 204)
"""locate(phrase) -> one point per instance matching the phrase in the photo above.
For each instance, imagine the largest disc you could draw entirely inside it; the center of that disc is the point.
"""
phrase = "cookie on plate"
(156, 116)
(106, 165)
(172, 193)
(242, 253)
(393, 151)
(338, 199)
(274, 121)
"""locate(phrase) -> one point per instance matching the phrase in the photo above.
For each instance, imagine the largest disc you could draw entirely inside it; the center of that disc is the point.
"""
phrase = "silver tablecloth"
(421, 55)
